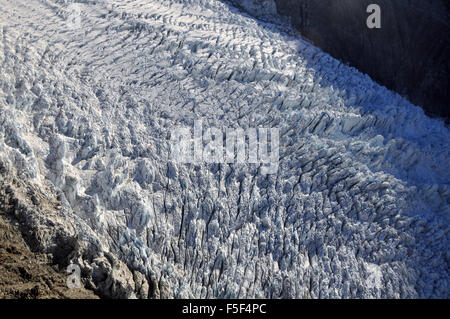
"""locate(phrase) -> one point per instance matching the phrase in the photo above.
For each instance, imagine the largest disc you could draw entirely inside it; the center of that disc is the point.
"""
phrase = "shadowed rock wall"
(409, 54)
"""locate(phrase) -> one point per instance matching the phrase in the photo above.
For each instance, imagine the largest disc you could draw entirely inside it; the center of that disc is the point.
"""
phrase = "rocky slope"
(39, 240)
(28, 275)
(359, 204)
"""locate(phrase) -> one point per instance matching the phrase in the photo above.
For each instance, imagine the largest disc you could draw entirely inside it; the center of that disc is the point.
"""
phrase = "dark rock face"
(408, 54)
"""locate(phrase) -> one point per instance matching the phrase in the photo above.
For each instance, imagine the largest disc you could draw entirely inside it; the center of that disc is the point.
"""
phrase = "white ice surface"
(359, 206)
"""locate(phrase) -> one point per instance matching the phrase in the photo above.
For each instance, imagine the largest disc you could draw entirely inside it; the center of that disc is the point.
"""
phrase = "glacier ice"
(358, 207)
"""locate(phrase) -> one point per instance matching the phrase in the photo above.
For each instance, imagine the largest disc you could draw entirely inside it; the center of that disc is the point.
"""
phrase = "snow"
(362, 186)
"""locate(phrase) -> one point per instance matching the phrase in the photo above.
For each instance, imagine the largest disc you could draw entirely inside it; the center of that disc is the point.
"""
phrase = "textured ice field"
(359, 206)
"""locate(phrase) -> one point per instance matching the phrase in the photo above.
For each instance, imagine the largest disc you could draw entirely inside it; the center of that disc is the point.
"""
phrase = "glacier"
(358, 208)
